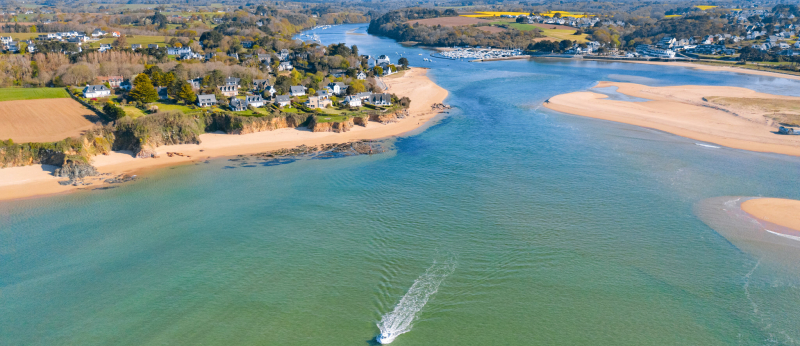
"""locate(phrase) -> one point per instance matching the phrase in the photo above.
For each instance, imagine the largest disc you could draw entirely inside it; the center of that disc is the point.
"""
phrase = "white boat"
(386, 338)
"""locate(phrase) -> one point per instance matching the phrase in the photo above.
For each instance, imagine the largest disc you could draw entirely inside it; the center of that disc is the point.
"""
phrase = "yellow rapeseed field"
(705, 7)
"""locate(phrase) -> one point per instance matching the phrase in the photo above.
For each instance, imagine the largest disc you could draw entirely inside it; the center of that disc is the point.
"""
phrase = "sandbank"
(37, 180)
(783, 212)
(714, 68)
(685, 111)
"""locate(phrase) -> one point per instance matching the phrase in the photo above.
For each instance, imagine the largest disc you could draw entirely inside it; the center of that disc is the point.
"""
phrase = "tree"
(403, 61)
(378, 70)
(120, 42)
(33, 28)
(143, 90)
(356, 87)
(113, 112)
(185, 93)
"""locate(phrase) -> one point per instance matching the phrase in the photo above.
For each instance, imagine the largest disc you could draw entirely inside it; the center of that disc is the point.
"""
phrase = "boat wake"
(707, 145)
(399, 321)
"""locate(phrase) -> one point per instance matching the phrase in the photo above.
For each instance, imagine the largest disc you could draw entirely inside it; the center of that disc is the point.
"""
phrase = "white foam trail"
(400, 320)
(792, 237)
(707, 145)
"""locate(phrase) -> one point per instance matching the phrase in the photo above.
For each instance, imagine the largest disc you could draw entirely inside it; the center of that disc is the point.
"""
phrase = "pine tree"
(186, 93)
(143, 90)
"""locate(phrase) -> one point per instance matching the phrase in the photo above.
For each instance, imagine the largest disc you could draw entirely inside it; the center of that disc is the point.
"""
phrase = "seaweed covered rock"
(75, 170)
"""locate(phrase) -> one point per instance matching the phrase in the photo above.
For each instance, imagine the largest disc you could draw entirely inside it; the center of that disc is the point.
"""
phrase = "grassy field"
(143, 40)
(11, 94)
(22, 35)
(133, 112)
(553, 34)
(331, 118)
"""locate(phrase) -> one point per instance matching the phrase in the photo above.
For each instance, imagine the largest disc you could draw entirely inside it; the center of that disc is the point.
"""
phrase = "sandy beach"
(715, 68)
(783, 212)
(686, 111)
(37, 180)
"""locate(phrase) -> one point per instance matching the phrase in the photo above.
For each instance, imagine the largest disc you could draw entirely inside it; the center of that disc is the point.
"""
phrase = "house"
(380, 99)
(95, 91)
(152, 45)
(238, 105)
(383, 59)
(233, 81)
(31, 48)
(364, 95)
(283, 100)
(317, 102)
(162, 93)
(4, 40)
(195, 83)
(324, 94)
(338, 73)
(210, 56)
(247, 44)
(104, 47)
(115, 34)
(260, 84)
(178, 51)
(229, 90)
(12, 47)
(190, 55)
(113, 81)
(361, 75)
(234, 55)
(264, 58)
(255, 100)
(352, 101)
(285, 66)
(98, 33)
(270, 90)
(206, 100)
(136, 46)
(297, 90)
(126, 85)
(284, 54)
(337, 88)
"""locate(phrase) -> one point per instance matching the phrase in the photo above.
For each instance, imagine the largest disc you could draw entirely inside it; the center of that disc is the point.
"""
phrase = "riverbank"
(37, 180)
(700, 65)
(783, 212)
(686, 111)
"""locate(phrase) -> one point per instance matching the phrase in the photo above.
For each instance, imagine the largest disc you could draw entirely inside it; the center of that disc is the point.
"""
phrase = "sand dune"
(19, 182)
(682, 110)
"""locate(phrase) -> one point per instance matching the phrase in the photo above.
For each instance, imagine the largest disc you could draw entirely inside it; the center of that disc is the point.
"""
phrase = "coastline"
(684, 111)
(37, 180)
(779, 211)
(697, 66)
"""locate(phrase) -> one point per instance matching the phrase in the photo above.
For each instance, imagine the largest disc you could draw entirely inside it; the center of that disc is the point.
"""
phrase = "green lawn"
(133, 112)
(10, 94)
(22, 35)
(330, 118)
(174, 107)
(555, 34)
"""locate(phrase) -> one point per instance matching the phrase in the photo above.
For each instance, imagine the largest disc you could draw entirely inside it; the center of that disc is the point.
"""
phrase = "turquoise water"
(560, 229)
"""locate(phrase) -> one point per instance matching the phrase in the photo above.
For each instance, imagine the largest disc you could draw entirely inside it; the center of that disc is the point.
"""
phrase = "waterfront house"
(352, 101)
(364, 95)
(337, 88)
(324, 94)
(317, 102)
(298, 90)
(380, 99)
(95, 91)
(283, 100)
(383, 59)
(113, 81)
(206, 100)
(229, 90)
(233, 81)
(254, 100)
(238, 105)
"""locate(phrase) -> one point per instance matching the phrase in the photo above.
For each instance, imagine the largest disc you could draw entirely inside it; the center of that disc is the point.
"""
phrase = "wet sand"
(683, 111)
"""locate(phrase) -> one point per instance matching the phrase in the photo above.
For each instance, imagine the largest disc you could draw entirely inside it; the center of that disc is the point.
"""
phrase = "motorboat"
(386, 338)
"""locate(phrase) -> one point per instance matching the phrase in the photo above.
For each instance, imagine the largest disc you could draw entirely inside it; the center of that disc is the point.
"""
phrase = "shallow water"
(565, 230)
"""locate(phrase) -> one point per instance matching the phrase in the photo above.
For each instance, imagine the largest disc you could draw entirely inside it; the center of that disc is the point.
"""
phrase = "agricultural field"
(22, 35)
(12, 94)
(143, 40)
(705, 7)
(551, 31)
(564, 14)
(44, 120)
(449, 21)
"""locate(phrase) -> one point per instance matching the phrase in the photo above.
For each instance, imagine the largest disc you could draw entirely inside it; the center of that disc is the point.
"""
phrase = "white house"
(206, 100)
(94, 91)
(361, 75)
(352, 101)
(98, 33)
(337, 88)
(285, 66)
(297, 90)
(380, 99)
(383, 59)
(178, 51)
(283, 100)
(254, 100)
